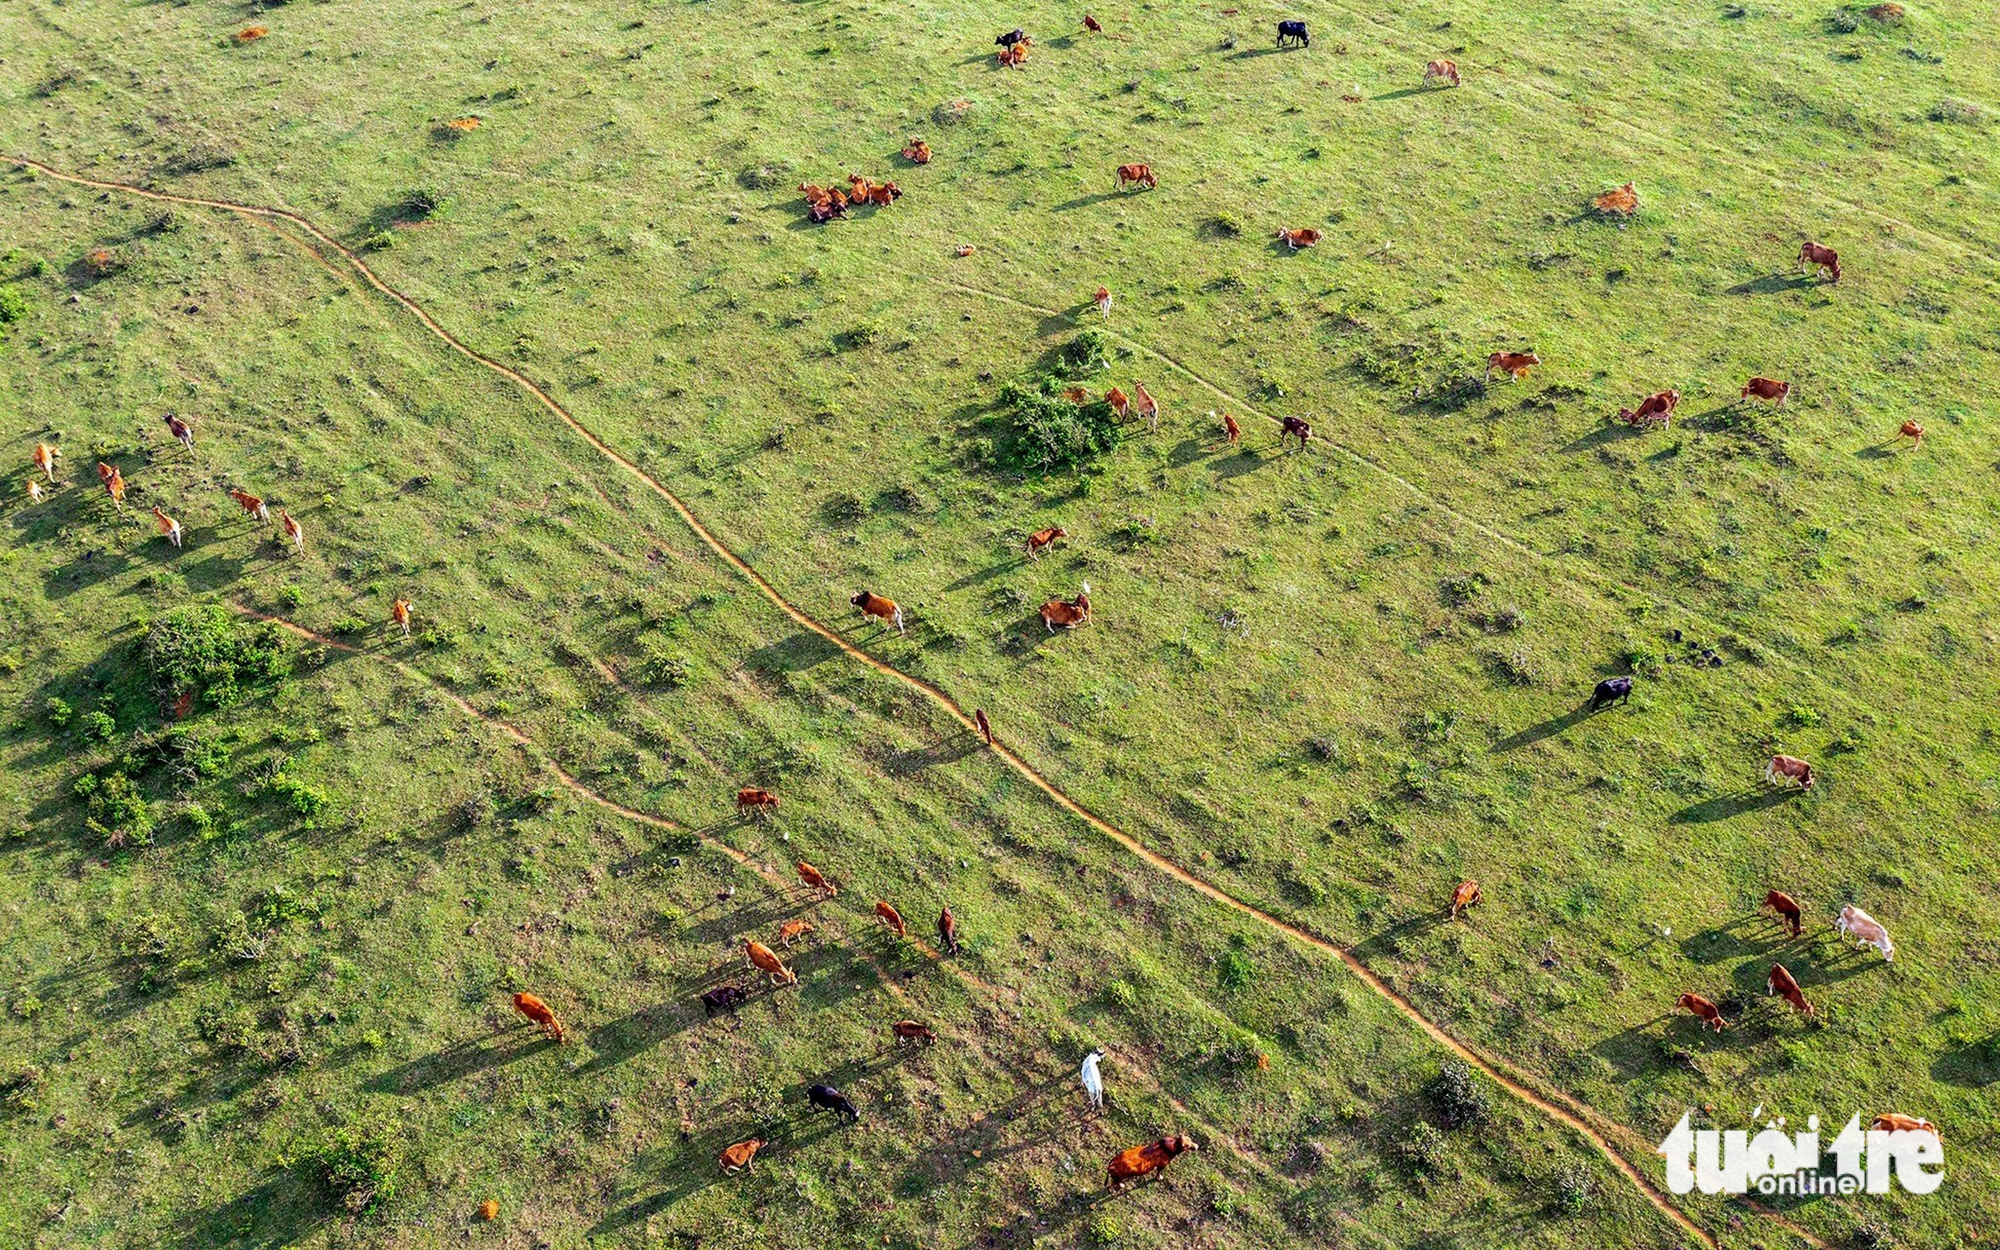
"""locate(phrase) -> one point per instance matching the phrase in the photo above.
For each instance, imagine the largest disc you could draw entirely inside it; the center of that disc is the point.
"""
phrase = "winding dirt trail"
(1590, 1125)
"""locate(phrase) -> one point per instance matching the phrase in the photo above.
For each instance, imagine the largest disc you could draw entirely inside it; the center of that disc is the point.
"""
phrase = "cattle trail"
(1577, 1119)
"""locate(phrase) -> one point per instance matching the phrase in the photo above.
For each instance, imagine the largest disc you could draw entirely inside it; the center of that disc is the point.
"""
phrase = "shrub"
(1047, 431)
(1235, 970)
(661, 667)
(770, 176)
(118, 812)
(99, 727)
(357, 1162)
(13, 307)
(1570, 1188)
(308, 801)
(205, 649)
(1457, 1096)
(1957, 112)
(1422, 1149)
(1087, 351)
(58, 711)
(420, 204)
(473, 811)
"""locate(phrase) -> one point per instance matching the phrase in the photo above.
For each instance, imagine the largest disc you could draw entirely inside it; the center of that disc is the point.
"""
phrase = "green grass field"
(259, 945)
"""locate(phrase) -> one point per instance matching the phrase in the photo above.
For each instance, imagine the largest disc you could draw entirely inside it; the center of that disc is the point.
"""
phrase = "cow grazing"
(1012, 37)
(35, 492)
(1516, 363)
(399, 612)
(985, 726)
(1103, 298)
(827, 1098)
(1119, 401)
(875, 605)
(736, 1158)
(180, 430)
(766, 960)
(792, 930)
(293, 530)
(1140, 174)
(723, 998)
(1466, 895)
(1766, 388)
(1130, 1165)
(891, 917)
(1622, 202)
(751, 799)
(1858, 924)
(1041, 540)
(539, 1013)
(1296, 239)
(114, 483)
(170, 529)
(1896, 1122)
(1093, 1080)
(1655, 409)
(1090, 24)
(1441, 68)
(1232, 433)
(251, 505)
(1788, 910)
(45, 460)
(1911, 430)
(917, 152)
(1295, 427)
(1068, 614)
(1783, 984)
(1609, 691)
(1145, 405)
(913, 1033)
(947, 929)
(816, 879)
(1786, 768)
(1827, 260)
(1293, 32)
(1710, 1014)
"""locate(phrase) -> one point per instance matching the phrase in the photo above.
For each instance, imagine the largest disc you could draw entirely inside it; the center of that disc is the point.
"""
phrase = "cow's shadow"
(1547, 729)
(1245, 54)
(1754, 798)
(460, 1060)
(1974, 1065)
(1609, 432)
(1405, 93)
(1085, 201)
(1773, 284)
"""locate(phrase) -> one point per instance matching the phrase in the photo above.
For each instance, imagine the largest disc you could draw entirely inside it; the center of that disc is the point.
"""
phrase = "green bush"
(99, 727)
(1047, 431)
(1088, 351)
(118, 812)
(58, 711)
(1457, 1096)
(357, 1162)
(1422, 1149)
(308, 801)
(13, 307)
(207, 650)
(1570, 1188)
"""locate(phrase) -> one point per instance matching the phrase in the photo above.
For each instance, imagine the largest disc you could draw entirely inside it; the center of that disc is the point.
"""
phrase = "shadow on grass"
(1975, 1065)
(795, 654)
(1724, 806)
(1607, 433)
(1773, 284)
(1399, 95)
(280, 1211)
(1083, 201)
(1547, 729)
(460, 1060)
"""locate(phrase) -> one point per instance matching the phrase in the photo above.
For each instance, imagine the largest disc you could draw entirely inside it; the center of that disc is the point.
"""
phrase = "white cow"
(1856, 923)
(1093, 1082)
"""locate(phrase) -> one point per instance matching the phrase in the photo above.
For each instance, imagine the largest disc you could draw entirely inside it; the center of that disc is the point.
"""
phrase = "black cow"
(1293, 32)
(827, 1098)
(1609, 691)
(1012, 37)
(723, 998)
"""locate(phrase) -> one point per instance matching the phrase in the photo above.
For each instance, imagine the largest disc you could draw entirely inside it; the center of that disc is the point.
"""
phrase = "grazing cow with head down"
(1710, 1014)
(751, 799)
(884, 610)
(1041, 540)
(735, 1158)
(1295, 427)
(170, 529)
(1068, 614)
(792, 930)
(1788, 910)
(1896, 1122)
(45, 460)
(1786, 768)
(1911, 430)
(891, 917)
(1296, 239)
(1516, 363)
(1130, 1165)
(947, 928)
(251, 505)
(399, 612)
(1119, 401)
(723, 998)
(1655, 409)
(816, 879)
(1464, 896)
(1293, 32)
(1766, 388)
(1825, 258)
(1090, 24)
(539, 1012)
(1856, 923)
(827, 1098)
(1441, 68)
(293, 530)
(1783, 984)
(1609, 691)
(1141, 174)
(766, 960)
(912, 1032)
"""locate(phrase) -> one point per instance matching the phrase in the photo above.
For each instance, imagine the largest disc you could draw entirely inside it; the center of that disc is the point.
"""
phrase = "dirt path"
(1588, 1124)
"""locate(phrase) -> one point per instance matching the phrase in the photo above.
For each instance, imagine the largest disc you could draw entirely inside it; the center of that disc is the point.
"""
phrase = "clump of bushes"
(1957, 112)
(118, 813)
(207, 650)
(358, 1163)
(13, 307)
(1456, 1096)
(1570, 1188)
(1422, 1149)
(1047, 431)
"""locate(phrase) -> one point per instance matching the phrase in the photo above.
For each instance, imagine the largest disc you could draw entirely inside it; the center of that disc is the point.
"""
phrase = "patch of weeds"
(358, 1163)
(118, 813)
(1222, 226)
(1519, 667)
(1326, 750)
(419, 204)
(380, 241)
(663, 669)
(307, 801)
(1571, 1187)
(1843, 22)
(58, 712)
(13, 307)
(1235, 970)
(1422, 1149)
(769, 176)
(1088, 351)
(1957, 113)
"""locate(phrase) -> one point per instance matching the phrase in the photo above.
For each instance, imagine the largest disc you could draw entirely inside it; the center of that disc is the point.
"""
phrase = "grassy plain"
(1332, 684)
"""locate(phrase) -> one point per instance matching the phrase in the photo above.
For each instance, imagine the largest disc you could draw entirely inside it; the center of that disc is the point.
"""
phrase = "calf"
(1786, 768)
(751, 799)
(293, 530)
(1782, 983)
(1655, 409)
(827, 1098)
(912, 1032)
(180, 430)
(1141, 174)
(816, 879)
(735, 1158)
(1119, 401)
(1464, 896)
(45, 460)
(1130, 1165)
(1069, 614)
(1710, 1014)
(1766, 388)
(1040, 540)
(1012, 37)
(1788, 910)
(1856, 923)
(1104, 301)
(1609, 691)
(399, 612)
(917, 152)
(792, 930)
(1232, 433)
(947, 928)
(766, 960)
(1516, 363)
(1825, 258)
(1910, 430)
(538, 1011)
(251, 505)
(1896, 1122)
(1145, 405)
(114, 483)
(1293, 32)
(723, 998)
(1441, 68)
(1295, 427)
(814, 193)
(35, 492)
(170, 529)
(891, 917)
(1296, 239)
(872, 604)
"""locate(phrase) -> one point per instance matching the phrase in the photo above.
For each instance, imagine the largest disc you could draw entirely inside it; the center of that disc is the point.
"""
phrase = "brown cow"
(1464, 896)
(293, 530)
(1441, 68)
(45, 460)
(1296, 239)
(1014, 54)
(1910, 429)
(766, 960)
(792, 930)
(1103, 298)
(538, 1011)
(1042, 539)
(751, 799)
(1766, 388)
(816, 879)
(1655, 409)
(180, 430)
(1141, 174)
(114, 483)
(947, 927)
(814, 193)
(1896, 1122)
(170, 529)
(251, 505)
(1782, 983)
(399, 612)
(1825, 258)
(1069, 614)
(883, 194)
(875, 605)
(1516, 363)
(35, 492)
(1120, 403)
(912, 1032)
(1295, 427)
(1231, 432)
(858, 188)
(917, 152)
(1788, 908)
(985, 726)
(1784, 768)
(1130, 1165)
(1622, 202)
(1090, 24)
(737, 1157)
(1710, 1014)
(1146, 406)
(891, 917)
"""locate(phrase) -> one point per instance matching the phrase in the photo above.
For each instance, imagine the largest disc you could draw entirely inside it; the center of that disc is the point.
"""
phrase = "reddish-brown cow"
(1130, 1165)
(1782, 983)
(1710, 1014)
(1788, 908)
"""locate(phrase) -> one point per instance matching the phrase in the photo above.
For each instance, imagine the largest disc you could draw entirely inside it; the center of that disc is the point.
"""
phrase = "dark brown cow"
(1141, 174)
(1766, 388)
(1788, 909)
(1295, 427)
(1130, 1165)
(947, 927)
(1825, 258)
(1783, 984)
(912, 1032)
